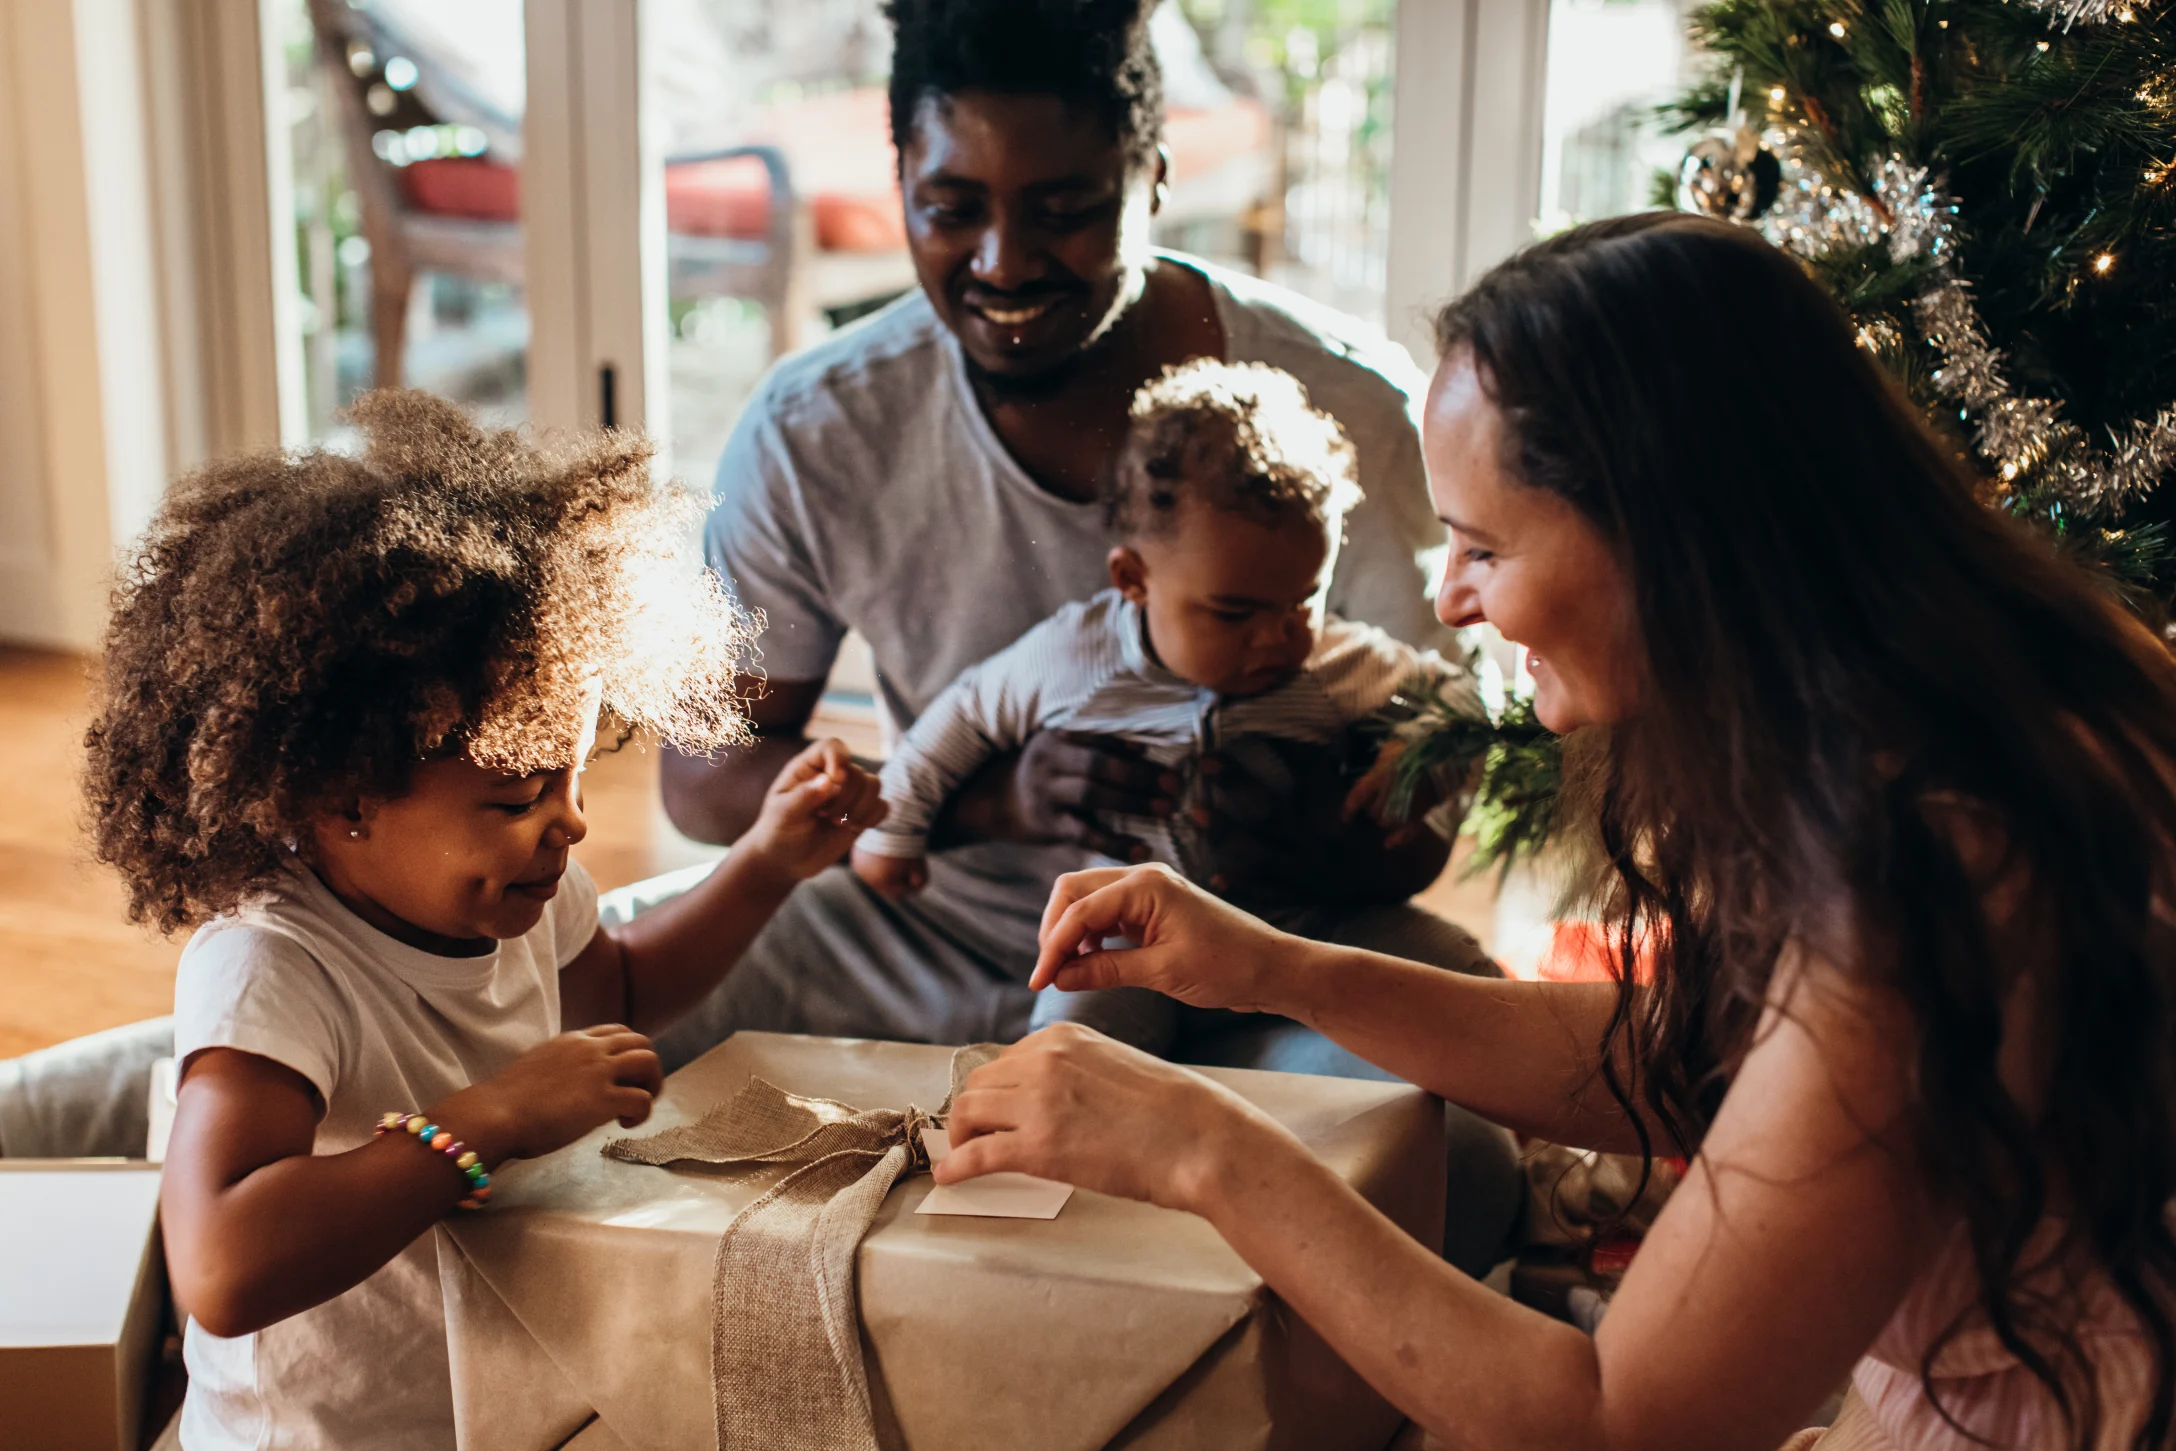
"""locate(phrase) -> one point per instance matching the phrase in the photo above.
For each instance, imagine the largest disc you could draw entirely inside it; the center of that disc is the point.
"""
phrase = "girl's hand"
(1070, 1104)
(814, 810)
(555, 1093)
(1193, 946)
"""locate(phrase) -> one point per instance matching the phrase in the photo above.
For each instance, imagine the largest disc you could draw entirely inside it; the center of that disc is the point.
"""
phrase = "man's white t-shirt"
(376, 1026)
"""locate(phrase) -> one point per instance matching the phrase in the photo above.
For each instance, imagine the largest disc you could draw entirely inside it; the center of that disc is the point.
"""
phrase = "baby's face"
(1231, 604)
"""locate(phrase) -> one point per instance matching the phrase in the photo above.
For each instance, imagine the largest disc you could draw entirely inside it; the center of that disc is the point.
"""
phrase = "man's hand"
(1305, 839)
(1056, 790)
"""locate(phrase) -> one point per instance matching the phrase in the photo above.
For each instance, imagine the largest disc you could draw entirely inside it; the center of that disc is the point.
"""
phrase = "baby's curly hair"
(1242, 437)
(295, 628)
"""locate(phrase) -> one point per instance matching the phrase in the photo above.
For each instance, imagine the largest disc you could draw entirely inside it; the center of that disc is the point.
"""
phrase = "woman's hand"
(1070, 1104)
(1193, 946)
(820, 802)
(555, 1093)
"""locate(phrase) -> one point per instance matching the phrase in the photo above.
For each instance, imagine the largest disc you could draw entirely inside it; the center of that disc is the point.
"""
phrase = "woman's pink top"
(1981, 1384)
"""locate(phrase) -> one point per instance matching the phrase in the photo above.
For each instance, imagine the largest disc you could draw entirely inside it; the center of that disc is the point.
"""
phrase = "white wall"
(82, 418)
(139, 269)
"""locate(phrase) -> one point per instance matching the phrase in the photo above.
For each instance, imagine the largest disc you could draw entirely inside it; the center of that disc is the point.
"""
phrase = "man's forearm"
(1404, 870)
(676, 953)
(718, 800)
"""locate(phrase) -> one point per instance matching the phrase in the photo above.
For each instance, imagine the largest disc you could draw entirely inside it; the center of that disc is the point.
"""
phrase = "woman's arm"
(1526, 1055)
(258, 1228)
(1520, 1053)
(1767, 1275)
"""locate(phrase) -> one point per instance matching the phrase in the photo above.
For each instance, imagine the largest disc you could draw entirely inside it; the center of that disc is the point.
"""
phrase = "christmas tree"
(1989, 188)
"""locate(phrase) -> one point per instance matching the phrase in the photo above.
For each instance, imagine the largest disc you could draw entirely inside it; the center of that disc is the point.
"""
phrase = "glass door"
(1611, 62)
(782, 204)
(403, 128)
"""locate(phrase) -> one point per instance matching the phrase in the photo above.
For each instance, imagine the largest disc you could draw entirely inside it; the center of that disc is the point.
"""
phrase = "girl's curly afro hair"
(294, 630)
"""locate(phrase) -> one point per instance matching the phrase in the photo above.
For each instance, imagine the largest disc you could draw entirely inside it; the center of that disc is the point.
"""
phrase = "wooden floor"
(71, 963)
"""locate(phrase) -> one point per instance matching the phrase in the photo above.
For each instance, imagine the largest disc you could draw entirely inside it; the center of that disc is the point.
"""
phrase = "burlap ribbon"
(785, 1333)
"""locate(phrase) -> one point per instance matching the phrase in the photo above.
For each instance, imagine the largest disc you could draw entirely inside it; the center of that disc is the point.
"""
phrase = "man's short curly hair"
(1092, 54)
(297, 629)
(1241, 437)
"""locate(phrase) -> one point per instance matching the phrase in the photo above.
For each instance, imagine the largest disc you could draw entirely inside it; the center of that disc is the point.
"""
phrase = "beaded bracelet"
(431, 1136)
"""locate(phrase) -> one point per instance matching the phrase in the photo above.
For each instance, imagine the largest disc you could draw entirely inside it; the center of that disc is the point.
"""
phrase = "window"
(404, 130)
(1611, 62)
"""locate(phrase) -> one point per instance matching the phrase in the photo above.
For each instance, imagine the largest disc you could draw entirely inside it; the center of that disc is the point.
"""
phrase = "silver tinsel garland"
(2091, 12)
(2015, 434)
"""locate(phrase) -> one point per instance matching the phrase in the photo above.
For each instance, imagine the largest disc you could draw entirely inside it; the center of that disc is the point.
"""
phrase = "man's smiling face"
(1029, 228)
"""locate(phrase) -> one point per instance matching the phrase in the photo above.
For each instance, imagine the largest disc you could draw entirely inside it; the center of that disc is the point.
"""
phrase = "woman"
(1886, 790)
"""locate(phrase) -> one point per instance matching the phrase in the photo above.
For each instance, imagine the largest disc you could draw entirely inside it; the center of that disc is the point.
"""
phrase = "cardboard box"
(582, 1299)
(82, 1298)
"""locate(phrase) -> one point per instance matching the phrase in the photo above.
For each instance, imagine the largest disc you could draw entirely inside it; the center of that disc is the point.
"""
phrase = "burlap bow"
(785, 1334)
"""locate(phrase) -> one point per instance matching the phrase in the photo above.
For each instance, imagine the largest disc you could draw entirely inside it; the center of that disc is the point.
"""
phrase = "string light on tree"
(1911, 180)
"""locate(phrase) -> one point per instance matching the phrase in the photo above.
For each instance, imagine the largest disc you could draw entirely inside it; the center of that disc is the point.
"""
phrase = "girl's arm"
(258, 1228)
(1767, 1275)
(661, 964)
(1524, 1054)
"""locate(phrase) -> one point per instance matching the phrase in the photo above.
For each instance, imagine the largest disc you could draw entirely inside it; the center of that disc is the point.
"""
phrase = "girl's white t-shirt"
(377, 1026)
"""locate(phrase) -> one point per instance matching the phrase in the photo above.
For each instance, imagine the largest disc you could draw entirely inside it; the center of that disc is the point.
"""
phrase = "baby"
(1228, 500)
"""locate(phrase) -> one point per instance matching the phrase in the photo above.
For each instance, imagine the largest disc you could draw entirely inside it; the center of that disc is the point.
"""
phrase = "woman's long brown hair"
(1838, 634)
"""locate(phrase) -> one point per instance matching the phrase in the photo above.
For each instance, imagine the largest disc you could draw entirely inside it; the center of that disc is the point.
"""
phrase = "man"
(930, 479)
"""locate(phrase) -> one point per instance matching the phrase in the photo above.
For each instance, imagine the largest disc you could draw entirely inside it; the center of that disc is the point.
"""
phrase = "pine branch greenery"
(2046, 131)
(1504, 767)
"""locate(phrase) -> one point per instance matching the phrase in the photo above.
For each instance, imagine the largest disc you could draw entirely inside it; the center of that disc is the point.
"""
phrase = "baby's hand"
(814, 810)
(891, 877)
(555, 1093)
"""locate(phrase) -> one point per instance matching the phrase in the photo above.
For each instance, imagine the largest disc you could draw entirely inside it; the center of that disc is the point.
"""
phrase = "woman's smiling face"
(1527, 561)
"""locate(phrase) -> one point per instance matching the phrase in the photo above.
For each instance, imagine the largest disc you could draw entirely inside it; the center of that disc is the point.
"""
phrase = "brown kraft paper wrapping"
(581, 1303)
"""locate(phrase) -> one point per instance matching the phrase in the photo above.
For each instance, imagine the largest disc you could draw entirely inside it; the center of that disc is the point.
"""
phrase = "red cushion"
(838, 146)
(483, 191)
(1202, 141)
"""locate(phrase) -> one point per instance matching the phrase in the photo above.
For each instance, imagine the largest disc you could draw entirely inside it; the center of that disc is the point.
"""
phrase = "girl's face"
(467, 857)
(1525, 560)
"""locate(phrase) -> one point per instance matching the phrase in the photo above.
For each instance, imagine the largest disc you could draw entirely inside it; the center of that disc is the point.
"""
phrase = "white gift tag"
(993, 1196)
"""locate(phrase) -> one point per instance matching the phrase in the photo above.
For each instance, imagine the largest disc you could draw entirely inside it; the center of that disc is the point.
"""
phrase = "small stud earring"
(355, 833)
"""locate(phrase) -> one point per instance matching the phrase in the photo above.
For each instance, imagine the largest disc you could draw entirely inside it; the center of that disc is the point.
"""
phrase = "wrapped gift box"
(580, 1304)
(82, 1298)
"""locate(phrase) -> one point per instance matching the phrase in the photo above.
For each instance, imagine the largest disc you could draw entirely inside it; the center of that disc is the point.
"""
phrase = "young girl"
(345, 709)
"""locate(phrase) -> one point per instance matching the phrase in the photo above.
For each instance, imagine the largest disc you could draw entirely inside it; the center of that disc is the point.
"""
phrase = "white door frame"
(593, 218)
(1465, 158)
